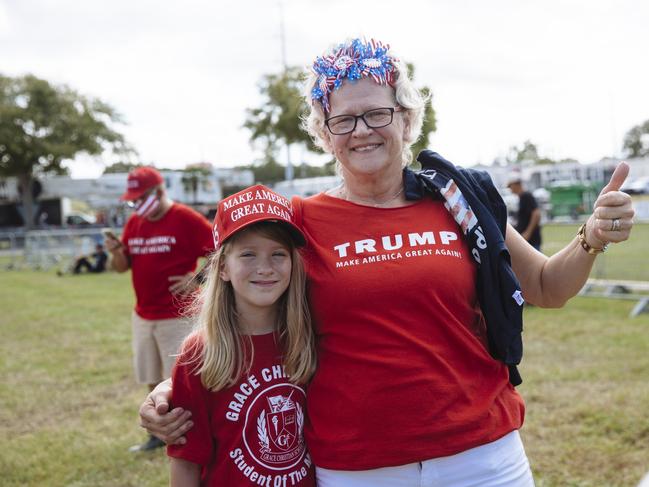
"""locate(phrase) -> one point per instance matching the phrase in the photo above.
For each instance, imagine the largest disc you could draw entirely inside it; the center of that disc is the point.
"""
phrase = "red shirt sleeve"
(126, 234)
(188, 392)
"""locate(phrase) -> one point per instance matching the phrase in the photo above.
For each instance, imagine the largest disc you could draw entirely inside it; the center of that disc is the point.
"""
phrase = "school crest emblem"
(274, 424)
(281, 421)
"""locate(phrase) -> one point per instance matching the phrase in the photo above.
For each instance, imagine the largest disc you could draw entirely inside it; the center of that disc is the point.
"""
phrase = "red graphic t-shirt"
(250, 433)
(403, 373)
(160, 249)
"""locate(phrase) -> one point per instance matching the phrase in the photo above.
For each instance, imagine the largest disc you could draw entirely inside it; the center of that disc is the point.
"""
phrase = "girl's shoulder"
(191, 349)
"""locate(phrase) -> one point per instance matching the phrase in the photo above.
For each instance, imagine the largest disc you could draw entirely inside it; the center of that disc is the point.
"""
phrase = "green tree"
(196, 176)
(430, 118)
(636, 140)
(308, 171)
(520, 155)
(276, 122)
(42, 126)
(268, 170)
(121, 166)
(527, 154)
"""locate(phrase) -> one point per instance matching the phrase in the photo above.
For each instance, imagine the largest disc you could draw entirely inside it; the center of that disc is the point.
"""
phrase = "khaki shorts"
(155, 344)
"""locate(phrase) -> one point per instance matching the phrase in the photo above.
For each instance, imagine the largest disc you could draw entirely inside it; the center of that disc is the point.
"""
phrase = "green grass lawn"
(624, 261)
(69, 403)
(585, 374)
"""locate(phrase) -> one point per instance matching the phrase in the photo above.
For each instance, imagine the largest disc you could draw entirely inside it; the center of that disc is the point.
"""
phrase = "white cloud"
(4, 22)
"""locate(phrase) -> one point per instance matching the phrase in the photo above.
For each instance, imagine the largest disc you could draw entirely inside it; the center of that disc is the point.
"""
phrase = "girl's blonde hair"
(406, 95)
(220, 351)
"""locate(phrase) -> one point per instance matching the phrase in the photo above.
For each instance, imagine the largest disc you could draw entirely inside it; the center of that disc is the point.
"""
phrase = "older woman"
(417, 310)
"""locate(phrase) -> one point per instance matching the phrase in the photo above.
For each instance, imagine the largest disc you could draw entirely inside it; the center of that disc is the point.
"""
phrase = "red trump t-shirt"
(403, 373)
(250, 433)
(160, 249)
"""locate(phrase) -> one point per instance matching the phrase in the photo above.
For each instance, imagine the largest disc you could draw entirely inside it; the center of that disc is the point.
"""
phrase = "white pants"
(502, 463)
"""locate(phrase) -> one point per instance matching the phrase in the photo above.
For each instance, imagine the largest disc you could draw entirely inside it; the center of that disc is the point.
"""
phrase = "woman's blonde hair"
(405, 94)
(220, 350)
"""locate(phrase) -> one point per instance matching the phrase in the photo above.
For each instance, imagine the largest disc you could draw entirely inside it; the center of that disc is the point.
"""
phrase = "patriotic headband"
(352, 61)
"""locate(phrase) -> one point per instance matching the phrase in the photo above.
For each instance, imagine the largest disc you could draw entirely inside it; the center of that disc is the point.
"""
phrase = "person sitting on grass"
(98, 264)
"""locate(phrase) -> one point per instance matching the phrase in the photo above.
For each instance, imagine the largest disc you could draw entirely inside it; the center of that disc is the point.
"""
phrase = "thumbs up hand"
(612, 218)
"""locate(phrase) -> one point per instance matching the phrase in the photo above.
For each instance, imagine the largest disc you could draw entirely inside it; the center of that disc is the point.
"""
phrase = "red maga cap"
(139, 181)
(254, 204)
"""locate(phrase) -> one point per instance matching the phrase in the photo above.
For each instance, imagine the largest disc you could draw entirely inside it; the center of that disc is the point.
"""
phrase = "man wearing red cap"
(161, 243)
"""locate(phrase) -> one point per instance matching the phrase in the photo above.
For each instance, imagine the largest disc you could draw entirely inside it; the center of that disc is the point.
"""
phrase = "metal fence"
(46, 249)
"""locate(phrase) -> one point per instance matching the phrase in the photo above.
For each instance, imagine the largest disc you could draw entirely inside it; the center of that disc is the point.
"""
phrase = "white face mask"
(148, 206)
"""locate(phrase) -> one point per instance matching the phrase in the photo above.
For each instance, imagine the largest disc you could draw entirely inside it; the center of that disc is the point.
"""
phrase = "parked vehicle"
(636, 186)
(80, 220)
(569, 200)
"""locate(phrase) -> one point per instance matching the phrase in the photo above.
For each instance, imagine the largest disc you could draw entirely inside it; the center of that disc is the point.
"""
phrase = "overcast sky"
(570, 75)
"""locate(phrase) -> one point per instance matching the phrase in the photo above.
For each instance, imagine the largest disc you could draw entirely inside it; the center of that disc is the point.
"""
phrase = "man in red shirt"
(161, 243)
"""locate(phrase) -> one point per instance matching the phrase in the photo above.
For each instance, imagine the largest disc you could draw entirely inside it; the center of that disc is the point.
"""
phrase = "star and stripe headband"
(353, 61)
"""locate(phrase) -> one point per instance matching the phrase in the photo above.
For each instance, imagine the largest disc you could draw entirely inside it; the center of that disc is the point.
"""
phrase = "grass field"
(626, 261)
(68, 402)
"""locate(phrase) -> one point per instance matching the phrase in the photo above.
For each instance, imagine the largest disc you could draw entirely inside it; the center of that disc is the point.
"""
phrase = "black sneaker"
(151, 444)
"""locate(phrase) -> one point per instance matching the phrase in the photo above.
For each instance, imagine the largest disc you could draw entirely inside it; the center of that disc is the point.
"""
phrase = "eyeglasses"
(374, 119)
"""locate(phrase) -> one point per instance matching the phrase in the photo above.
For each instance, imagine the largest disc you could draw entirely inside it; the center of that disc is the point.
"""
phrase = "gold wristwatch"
(581, 235)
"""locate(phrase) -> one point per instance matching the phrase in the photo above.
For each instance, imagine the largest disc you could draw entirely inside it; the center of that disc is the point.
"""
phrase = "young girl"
(240, 371)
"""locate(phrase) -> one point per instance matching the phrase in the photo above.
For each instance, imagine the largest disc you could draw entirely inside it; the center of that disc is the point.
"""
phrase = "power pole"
(282, 35)
(288, 172)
